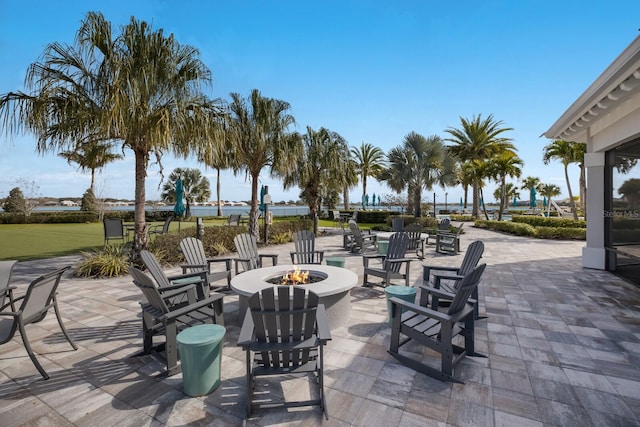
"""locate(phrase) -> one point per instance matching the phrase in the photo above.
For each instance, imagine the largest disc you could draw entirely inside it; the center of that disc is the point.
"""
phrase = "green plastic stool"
(383, 245)
(406, 293)
(200, 349)
(336, 261)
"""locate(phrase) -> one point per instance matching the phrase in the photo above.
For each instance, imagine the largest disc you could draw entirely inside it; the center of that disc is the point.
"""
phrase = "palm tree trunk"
(417, 203)
(572, 202)
(476, 193)
(364, 190)
(253, 212)
(503, 190)
(139, 237)
(218, 192)
(93, 178)
(345, 196)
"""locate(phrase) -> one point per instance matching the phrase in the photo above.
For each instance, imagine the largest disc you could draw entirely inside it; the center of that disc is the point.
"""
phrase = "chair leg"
(249, 383)
(323, 401)
(64, 330)
(171, 348)
(32, 356)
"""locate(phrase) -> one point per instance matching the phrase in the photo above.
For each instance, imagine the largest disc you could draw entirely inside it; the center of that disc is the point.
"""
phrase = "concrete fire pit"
(332, 287)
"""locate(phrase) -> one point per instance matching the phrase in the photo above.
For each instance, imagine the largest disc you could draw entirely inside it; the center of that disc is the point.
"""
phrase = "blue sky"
(372, 71)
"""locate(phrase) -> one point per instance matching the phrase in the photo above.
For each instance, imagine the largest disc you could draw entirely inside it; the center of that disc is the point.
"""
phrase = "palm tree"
(140, 89)
(478, 140)
(506, 164)
(510, 192)
(566, 152)
(325, 157)
(91, 156)
(349, 179)
(548, 191)
(417, 165)
(258, 132)
(369, 162)
(530, 183)
(196, 187)
(464, 176)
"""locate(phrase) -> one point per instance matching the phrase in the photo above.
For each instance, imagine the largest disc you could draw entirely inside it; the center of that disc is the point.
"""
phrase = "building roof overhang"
(614, 86)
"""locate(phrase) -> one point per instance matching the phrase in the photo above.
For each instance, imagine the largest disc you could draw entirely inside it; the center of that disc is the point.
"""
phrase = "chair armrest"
(246, 332)
(409, 306)
(226, 260)
(437, 292)
(322, 323)
(367, 257)
(189, 308)
(438, 277)
(167, 292)
(274, 258)
(201, 274)
(186, 267)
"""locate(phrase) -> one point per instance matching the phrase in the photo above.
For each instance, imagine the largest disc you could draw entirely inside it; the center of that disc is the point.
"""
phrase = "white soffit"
(616, 84)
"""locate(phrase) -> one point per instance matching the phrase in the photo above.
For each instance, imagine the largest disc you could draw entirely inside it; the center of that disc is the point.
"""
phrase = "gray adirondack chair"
(157, 230)
(436, 330)
(39, 298)
(360, 241)
(284, 332)
(248, 256)
(198, 278)
(305, 248)
(397, 224)
(447, 242)
(391, 262)
(159, 318)
(197, 260)
(416, 243)
(449, 278)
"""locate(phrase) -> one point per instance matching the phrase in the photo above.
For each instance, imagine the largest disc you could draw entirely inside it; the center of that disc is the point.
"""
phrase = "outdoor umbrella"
(366, 199)
(461, 204)
(532, 198)
(515, 200)
(373, 200)
(179, 208)
(544, 202)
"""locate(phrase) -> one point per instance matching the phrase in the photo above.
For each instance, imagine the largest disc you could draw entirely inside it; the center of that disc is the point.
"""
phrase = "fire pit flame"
(295, 277)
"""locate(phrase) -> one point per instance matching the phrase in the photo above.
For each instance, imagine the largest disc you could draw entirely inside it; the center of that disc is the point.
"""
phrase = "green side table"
(200, 349)
(383, 245)
(336, 261)
(406, 293)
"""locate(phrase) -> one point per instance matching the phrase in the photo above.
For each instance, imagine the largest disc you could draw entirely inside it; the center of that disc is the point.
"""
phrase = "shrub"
(561, 233)
(542, 232)
(518, 229)
(110, 262)
(540, 221)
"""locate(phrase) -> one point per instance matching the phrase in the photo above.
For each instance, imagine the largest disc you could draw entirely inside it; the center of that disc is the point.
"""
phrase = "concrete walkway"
(563, 346)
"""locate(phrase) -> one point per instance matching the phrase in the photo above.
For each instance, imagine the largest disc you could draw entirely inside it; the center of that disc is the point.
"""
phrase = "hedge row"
(540, 221)
(541, 232)
(74, 217)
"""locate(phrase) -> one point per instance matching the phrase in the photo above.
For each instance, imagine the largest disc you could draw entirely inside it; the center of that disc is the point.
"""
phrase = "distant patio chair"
(158, 318)
(6, 291)
(160, 229)
(248, 256)
(114, 230)
(39, 298)
(397, 224)
(436, 330)
(197, 260)
(234, 220)
(392, 262)
(284, 332)
(447, 242)
(443, 224)
(416, 243)
(305, 248)
(361, 241)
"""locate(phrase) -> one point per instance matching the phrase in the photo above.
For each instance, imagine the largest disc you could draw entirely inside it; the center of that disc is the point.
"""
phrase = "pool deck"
(563, 347)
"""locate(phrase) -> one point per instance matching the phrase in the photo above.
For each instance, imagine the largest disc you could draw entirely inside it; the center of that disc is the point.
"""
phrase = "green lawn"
(36, 241)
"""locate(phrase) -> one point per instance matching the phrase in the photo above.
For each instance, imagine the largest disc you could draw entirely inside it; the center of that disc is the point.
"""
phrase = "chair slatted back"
(397, 224)
(113, 228)
(305, 247)
(284, 314)
(233, 219)
(154, 267)
(167, 223)
(6, 268)
(39, 296)
(193, 251)
(471, 257)
(398, 244)
(247, 247)
(467, 285)
(414, 231)
(148, 288)
(355, 230)
(444, 224)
